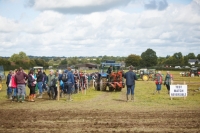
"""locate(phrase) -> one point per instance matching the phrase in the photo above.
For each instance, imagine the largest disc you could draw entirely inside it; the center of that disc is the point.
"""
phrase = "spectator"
(40, 82)
(76, 81)
(31, 85)
(51, 84)
(44, 82)
(68, 83)
(130, 77)
(9, 90)
(13, 85)
(20, 80)
(167, 81)
(158, 81)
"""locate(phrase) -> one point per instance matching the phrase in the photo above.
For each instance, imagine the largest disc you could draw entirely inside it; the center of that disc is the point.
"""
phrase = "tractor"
(2, 76)
(114, 80)
(146, 74)
(194, 72)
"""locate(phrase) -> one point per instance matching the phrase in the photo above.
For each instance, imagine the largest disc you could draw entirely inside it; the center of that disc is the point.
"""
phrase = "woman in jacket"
(13, 85)
(31, 85)
(167, 81)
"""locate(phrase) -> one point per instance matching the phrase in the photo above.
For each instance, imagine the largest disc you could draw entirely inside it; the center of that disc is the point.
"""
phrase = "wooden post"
(58, 89)
(184, 84)
(78, 86)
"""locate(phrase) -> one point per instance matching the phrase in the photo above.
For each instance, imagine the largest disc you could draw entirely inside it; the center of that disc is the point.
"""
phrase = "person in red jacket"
(158, 82)
(20, 78)
(13, 85)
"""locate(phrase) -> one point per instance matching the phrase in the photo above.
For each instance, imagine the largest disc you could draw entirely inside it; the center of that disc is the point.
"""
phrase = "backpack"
(64, 77)
(53, 82)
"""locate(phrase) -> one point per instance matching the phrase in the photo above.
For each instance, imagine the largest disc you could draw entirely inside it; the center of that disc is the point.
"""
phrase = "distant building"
(87, 66)
(193, 61)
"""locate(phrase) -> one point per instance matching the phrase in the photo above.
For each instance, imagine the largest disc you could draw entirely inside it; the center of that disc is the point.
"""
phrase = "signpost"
(178, 91)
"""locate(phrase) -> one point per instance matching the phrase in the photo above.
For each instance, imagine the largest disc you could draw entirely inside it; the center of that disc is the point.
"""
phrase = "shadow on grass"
(119, 100)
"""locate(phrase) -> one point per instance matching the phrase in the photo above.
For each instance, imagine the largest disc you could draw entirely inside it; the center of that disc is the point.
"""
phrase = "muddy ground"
(106, 112)
(97, 121)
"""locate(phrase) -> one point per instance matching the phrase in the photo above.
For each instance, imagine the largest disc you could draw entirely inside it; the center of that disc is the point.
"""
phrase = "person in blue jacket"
(69, 84)
(130, 77)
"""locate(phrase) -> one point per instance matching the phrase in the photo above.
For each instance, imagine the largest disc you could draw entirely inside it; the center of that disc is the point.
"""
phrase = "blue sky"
(106, 27)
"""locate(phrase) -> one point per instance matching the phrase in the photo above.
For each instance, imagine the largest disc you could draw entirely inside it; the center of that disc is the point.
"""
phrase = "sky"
(99, 27)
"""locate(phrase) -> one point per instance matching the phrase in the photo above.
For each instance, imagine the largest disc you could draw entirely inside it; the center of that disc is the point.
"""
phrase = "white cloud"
(7, 25)
(112, 32)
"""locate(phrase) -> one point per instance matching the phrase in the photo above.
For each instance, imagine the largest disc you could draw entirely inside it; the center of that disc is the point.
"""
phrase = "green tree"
(17, 57)
(178, 59)
(63, 62)
(133, 60)
(198, 57)
(149, 58)
(14, 57)
(191, 56)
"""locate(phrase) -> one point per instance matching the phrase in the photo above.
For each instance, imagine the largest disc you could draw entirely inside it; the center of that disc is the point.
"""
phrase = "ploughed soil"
(47, 116)
(22, 120)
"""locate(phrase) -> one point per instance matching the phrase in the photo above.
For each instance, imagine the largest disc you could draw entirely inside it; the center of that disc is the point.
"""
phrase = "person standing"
(40, 82)
(9, 90)
(76, 81)
(158, 82)
(167, 82)
(130, 77)
(20, 80)
(70, 84)
(51, 84)
(13, 85)
(31, 85)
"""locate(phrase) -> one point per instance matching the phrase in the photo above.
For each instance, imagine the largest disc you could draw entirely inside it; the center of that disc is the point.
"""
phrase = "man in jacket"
(130, 77)
(70, 83)
(40, 82)
(50, 84)
(20, 78)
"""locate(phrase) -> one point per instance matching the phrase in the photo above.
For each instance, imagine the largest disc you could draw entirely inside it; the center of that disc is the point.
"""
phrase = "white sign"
(178, 90)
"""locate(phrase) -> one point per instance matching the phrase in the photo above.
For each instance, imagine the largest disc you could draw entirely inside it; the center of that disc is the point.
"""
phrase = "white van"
(177, 67)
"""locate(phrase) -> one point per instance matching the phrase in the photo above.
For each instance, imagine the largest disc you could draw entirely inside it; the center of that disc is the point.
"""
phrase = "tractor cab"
(2, 73)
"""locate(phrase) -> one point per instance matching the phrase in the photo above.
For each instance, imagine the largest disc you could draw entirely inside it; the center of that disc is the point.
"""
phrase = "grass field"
(98, 111)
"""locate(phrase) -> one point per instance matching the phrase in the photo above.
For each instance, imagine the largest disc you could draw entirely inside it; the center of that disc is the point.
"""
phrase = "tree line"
(148, 58)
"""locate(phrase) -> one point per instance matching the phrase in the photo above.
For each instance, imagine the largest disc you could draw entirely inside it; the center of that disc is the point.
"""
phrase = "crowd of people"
(69, 82)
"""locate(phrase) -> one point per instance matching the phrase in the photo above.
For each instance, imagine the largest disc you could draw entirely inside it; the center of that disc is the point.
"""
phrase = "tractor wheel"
(0, 86)
(118, 89)
(103, 84)
(111, 89)
(96, 86)
(145, 77)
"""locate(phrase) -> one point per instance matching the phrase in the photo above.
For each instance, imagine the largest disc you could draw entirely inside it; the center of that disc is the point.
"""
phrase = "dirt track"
(98, 121)
(107, 112)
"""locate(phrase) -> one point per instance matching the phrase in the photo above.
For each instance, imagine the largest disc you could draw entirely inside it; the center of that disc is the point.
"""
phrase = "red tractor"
(114, 80)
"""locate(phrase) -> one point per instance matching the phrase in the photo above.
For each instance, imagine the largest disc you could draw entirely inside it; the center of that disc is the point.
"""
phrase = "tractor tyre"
(96, 86)
(118, 89)
(103, 84)
(145, 77)
(111, 89)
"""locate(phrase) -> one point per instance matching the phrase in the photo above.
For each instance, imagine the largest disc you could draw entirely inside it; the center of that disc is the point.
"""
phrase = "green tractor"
(146, 74)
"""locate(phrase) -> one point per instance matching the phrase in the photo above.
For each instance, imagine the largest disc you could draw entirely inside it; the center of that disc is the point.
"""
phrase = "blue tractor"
(113, 80)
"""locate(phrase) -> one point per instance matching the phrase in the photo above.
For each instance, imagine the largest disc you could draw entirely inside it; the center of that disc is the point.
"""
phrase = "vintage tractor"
(146, 74)
(194, 72)
(114, 80)
(2, 76)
